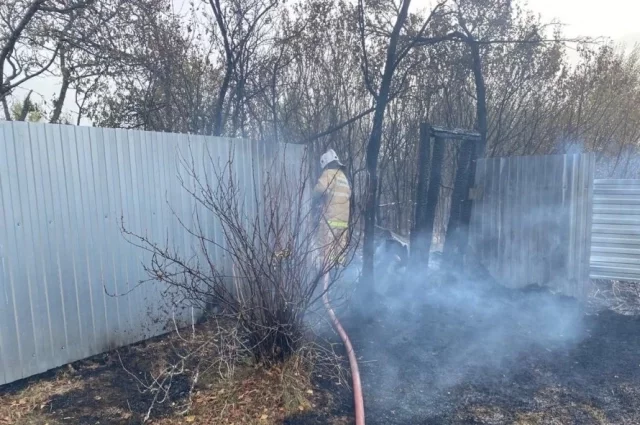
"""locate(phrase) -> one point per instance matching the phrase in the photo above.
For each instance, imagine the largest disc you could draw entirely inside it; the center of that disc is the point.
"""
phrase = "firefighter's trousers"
(333, 238)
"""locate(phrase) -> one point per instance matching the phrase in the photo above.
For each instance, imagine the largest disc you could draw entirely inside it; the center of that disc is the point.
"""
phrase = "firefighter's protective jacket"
(334, 187)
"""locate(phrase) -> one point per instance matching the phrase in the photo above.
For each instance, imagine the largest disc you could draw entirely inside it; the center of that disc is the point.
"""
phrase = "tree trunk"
(66, 80)
(481, 95)
(274, 100)
(26, 108)
(373, 151)
(5, 107)
(218, 109)
(476, 150)
(218, 122)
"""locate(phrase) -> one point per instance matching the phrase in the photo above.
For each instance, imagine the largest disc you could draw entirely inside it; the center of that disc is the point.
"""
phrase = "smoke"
(572, 147)
(614, 160)
(441, 330)
(442, 327)
(624, 163)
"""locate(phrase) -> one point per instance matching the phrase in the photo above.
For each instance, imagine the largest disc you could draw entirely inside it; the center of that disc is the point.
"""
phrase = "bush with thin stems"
(272, 268)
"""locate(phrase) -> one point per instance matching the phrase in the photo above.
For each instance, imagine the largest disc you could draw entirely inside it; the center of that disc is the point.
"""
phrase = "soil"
(100, 390)
(475, 353)
(114, 388)
(458, 353)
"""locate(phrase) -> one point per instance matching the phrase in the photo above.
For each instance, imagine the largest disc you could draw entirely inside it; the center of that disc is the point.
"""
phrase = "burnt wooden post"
(428, 193)
(457, 228)
(433, 193)
(424, 228)
(419, 221)
(467, 204)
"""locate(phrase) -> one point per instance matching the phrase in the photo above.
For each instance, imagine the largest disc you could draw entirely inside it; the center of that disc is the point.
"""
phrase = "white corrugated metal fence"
(64, 263)
(531, 221)
(615, 249)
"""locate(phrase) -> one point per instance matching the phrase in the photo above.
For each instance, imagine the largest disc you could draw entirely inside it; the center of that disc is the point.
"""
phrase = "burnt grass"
(489, 355)
(127, 401)
(109, 394)
(455, 353)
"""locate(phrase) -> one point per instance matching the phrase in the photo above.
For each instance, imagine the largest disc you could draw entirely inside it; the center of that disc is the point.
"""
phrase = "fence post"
(467, 204)
(423, 232)
(424, 153)
(456, 238)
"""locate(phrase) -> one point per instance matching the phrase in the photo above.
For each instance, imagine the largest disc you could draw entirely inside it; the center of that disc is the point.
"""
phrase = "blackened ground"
(111, 395)
(477, 354)
(105, 389)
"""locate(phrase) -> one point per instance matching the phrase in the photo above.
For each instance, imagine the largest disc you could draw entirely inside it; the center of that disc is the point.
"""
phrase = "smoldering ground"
(439, 334)
(476, 324)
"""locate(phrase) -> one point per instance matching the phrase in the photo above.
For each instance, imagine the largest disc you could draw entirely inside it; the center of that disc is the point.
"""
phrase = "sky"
(614, 19)
(617, 19)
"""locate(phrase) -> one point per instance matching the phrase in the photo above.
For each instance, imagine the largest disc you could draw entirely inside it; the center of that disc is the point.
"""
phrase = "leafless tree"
(295, 74)
(31, 38)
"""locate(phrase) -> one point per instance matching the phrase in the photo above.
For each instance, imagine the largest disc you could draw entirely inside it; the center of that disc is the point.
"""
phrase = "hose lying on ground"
(353, 363)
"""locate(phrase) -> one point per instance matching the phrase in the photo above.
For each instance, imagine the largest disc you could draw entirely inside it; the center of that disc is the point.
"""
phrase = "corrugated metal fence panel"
(532, 222)
(69, 280)
(615, 244)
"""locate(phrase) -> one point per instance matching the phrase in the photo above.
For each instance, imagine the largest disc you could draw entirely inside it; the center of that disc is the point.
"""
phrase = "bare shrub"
(271, 270)
(208, 369)
(211, 351)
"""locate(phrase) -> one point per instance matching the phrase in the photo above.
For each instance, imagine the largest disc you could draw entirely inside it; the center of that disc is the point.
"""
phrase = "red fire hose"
(353, 363)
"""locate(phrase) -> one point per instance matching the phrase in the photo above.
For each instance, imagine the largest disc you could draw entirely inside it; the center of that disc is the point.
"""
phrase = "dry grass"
(254, 395)
(220, 384)
(562, 415)
(529, 418)
(552, 408)
(620, 297)
(488, 414)
(597, 414)
(29, 405)
(228, 388)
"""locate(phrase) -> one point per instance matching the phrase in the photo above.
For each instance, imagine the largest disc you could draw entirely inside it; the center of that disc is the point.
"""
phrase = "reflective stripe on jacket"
(334, 186)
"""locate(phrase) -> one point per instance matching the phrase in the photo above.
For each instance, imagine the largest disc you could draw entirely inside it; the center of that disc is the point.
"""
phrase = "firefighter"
(333, 187)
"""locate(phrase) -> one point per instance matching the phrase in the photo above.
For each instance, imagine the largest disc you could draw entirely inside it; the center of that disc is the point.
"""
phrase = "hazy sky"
(616, 19)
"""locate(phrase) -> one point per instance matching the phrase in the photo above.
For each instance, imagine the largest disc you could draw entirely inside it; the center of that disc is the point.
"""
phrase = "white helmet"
(328, 157)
